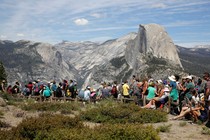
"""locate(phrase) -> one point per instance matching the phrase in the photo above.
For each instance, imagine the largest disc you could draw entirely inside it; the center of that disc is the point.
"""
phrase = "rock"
(92, 62)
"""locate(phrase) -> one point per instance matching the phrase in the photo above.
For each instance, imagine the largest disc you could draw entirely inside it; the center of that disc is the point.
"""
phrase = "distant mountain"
(195, 60)
(149, 52)
(26, 60)
(202, 47)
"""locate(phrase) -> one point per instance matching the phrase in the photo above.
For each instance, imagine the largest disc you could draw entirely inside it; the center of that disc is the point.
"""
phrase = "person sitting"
(200, 112)
(151, 95)
(186, 109)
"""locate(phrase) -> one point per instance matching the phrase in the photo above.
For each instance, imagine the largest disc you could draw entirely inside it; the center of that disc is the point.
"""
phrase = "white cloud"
(182, 23)
(97, 15)
(192, 44)
(3, 37)
(109, 28)
(100, 39)
(20, 35)
(81, 21)
(159, 5)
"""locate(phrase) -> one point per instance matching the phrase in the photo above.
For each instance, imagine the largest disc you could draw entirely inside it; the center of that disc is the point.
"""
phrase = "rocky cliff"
(26, 60)
(148, 52)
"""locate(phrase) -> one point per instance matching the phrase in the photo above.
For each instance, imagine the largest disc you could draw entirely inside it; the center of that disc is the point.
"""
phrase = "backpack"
(114, 90)
(36, 89)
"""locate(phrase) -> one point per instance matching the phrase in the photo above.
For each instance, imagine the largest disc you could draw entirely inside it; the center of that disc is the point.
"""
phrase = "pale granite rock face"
(156, 41)
(92, 62)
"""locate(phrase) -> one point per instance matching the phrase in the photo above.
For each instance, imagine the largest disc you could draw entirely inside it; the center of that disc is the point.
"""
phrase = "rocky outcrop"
(153, 40)
(26, 61)
(150, 51)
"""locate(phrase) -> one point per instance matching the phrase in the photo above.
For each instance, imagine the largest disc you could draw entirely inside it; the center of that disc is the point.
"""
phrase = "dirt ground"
(13, 116)
(186, 132)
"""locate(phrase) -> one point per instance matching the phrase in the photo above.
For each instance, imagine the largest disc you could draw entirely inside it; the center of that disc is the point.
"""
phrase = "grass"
(205, 131)
(182, 124)
(11, 99)
(66, 107)
(50, 126)
(113, 112)
(164, 128)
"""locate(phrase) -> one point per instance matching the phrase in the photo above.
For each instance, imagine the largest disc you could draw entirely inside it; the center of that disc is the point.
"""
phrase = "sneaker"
(152, 106)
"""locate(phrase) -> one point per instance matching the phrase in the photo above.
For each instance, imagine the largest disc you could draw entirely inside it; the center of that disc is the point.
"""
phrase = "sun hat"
(189, 77)
(172, 78)
(159, 81)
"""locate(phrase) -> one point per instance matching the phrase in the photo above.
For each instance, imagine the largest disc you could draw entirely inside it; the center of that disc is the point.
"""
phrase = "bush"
(106, 132)
(182, 124)
(46, 106)
(55, 127)
(11, 99)
(123, 113)
(205, 130)
(30, 128)
(164, 128)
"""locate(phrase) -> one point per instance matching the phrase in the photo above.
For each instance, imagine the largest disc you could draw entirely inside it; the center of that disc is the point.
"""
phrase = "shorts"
(202, 118)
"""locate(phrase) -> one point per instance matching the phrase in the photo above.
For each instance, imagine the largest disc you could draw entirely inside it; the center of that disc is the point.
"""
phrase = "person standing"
(126, 90)
(87, 94)
(207, 95)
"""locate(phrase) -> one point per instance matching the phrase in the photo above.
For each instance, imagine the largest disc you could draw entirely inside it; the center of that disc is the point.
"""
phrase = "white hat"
(159, 81)
(172, 78)
(189, 77)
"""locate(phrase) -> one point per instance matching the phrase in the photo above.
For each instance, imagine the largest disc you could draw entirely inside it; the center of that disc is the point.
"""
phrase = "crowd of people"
(186, 97)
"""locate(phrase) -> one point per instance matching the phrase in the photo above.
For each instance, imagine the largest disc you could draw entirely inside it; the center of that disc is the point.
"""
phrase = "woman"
(46, 92)
(200, 112)
(151, 95)
(173, 97)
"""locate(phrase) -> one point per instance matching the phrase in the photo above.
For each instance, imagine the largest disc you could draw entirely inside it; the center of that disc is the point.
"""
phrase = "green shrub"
(182, 124)
(30, 128)
(11, 99)
(123, 113)
(106, 132)
(58, 127)
(52, 106)
(205, 130)
(164, 128)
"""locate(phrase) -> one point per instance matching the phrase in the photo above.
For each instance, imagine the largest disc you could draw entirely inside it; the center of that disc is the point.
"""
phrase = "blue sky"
(186, 21)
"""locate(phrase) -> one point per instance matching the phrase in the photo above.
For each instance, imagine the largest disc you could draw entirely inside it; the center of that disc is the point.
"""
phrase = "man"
(207, 95)
(87, 94)
(189, 87)
(126, 90)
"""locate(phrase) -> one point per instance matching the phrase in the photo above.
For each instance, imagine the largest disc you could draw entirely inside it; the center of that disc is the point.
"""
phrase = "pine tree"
(3, 75)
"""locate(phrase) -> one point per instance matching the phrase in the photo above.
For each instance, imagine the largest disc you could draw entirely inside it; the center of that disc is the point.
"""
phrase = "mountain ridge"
(151, 51)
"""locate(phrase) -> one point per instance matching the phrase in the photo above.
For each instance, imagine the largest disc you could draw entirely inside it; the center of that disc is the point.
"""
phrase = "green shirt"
(151, 92)
(174, 94)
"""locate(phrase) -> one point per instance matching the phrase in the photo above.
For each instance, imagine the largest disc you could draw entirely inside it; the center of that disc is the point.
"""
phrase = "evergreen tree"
(3, 75)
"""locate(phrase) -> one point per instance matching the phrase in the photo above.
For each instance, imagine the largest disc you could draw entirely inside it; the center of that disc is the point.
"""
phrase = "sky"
(186, 21)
